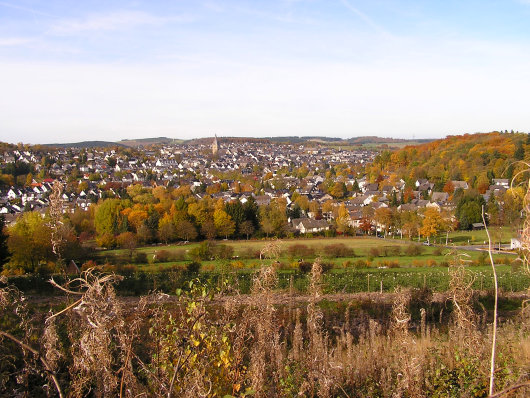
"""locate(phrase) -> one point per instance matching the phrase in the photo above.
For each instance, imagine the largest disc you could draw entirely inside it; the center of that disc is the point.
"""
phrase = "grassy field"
(368, 252)
(504, 234)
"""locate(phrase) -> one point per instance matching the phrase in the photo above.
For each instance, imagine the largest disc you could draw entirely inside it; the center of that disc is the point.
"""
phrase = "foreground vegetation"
(217, 345)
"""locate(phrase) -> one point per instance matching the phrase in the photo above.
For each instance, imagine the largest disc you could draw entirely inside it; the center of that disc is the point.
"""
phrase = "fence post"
(368, 282)
(381, 288)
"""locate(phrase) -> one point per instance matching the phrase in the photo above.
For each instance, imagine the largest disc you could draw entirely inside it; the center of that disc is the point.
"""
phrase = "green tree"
(236, 211)
(30, 241)
(273, 219)
(493, 211)
(469, 209)
(513, 205)
(519, 151)
(108, 218)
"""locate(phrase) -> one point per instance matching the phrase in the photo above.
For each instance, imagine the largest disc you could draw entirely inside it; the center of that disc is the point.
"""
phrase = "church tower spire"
(215, 146)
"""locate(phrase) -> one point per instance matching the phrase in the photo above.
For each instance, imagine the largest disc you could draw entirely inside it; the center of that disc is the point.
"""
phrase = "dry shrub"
(94, 321)
(362, 263)
(462, 296)
(338, 250)
(418, 263)
(319, 379)
(431, 263)
(265, 351)
(250, 253)
(389, 264)
(414, 250)
(300, 250)
(374, 252)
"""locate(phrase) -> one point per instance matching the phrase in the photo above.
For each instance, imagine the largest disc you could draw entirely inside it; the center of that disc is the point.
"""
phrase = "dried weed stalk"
(56, 214)
(14, 316)
(462, 296)
(265, 348)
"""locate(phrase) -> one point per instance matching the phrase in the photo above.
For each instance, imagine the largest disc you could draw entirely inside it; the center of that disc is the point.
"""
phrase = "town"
(319, 187)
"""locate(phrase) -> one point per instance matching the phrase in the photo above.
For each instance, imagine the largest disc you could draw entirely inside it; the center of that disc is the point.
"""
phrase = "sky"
(110, 70)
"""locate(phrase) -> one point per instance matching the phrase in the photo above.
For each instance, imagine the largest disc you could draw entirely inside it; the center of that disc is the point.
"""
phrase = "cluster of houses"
(99, 172)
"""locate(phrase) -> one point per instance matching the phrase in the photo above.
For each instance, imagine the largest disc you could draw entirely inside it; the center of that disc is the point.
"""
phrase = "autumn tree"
(410, 224)
(383, 216)
(185, 230)
(366, 225)
(303, 202)
(338, 191)
(432, 223)
(144, 234)
(224, 224)
(208, 230)
(166, 229)
(127, 241)
(246, 228)
(343, 219)
(327, 207)
(135, 217)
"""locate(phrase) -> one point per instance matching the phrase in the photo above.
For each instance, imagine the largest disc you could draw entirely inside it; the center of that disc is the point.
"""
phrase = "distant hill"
(86, 144)
(150, 141)
(380, 140)
(366, 142)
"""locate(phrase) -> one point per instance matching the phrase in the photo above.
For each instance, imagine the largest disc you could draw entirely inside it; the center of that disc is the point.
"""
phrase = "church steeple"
(215, 146)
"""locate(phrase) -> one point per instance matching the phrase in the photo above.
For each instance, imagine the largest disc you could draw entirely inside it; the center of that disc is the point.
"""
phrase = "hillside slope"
(474, 158)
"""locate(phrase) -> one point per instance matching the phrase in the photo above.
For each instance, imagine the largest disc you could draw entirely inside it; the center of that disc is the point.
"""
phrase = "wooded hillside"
(474, 158)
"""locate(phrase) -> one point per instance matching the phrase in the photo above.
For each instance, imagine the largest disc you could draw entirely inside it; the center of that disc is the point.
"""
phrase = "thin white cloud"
(364, 17)
(25, 9)
(14, 41)
(120, 20)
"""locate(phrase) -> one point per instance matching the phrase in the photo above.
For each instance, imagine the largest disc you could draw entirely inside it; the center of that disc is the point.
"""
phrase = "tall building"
(215, 146)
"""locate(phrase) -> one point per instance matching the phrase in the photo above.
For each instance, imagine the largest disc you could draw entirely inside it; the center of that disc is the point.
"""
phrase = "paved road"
(504, 248)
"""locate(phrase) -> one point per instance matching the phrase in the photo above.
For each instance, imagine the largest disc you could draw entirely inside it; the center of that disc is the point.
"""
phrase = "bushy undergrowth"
(212, 342)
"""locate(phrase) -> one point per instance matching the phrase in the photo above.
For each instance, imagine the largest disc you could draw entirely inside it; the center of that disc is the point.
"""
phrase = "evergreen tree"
(393, 200)
(519, 151)
(469, 209)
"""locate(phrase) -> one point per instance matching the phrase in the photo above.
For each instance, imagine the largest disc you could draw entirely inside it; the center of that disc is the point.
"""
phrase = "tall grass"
(211, 343)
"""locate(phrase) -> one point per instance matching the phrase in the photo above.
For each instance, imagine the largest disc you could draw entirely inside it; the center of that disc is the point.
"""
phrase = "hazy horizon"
(191, 69)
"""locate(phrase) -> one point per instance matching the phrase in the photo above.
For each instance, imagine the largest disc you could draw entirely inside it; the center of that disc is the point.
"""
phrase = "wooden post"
(381, 288)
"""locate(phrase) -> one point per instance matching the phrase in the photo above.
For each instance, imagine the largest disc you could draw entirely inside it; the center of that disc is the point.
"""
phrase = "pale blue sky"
(83, 70)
